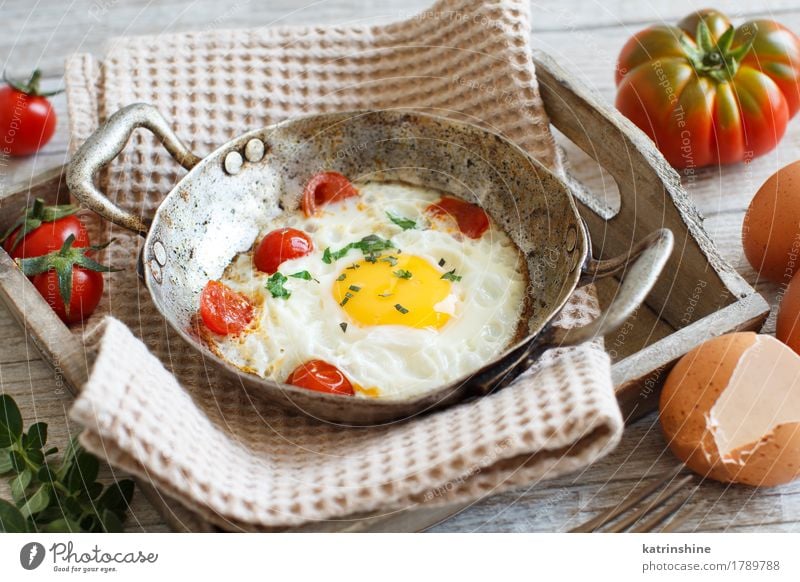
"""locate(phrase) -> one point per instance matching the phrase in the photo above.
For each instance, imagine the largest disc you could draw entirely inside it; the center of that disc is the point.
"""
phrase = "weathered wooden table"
(585, 37)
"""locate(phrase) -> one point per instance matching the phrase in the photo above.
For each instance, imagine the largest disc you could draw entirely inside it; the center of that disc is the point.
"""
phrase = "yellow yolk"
(378, 294)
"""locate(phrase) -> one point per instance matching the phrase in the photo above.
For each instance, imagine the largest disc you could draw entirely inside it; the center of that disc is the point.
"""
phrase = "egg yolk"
(407, 292)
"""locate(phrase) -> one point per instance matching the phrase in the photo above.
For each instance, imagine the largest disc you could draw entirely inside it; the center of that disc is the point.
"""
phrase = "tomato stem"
(33, 218)
(717, 60)
(31, 87)
(62, 262)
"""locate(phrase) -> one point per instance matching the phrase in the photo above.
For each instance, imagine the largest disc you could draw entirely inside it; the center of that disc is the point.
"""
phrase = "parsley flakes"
(451, 276)
(275, 286)
(371, 245)
(404, 223)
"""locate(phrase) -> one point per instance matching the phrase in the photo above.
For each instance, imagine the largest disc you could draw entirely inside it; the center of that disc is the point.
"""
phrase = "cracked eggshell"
(730, 410)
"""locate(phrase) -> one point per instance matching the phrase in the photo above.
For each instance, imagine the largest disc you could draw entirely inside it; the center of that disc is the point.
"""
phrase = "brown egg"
(771, 229)
(730, 410)
(788, 328)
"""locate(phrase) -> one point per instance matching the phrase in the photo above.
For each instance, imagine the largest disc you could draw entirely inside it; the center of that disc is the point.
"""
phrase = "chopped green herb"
(275, 286)
(355, 288)
(343, 325)
(391, 260)
(353, 267)
(400, 308)
(304, 275)
(387, 294)
(347, 297)
(451, 276)
(404, 223)
(402, 273)
(341, 277)
(370, 245)
(442, 262)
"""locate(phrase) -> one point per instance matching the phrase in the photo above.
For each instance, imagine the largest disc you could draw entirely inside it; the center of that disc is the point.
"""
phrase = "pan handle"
(107, 143)
(640, 268)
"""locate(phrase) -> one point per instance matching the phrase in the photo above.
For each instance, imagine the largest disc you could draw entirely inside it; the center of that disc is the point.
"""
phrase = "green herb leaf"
(402, 274)
(341, 277)
(36, 502)
(46, 474)
(82, 472)
(404, 223)
(275, 286)
(400, 308)
(117, 497)
(304, 275)
(10, 421)
(18, 461)
(110, 522)
(369, 245)
(343, 325)
(62, 525)
(442, 262)
(37, 436)
(391, 260)
(19, 484)
(451, 276)
(354, 288)
(5, 462)
(11, 519)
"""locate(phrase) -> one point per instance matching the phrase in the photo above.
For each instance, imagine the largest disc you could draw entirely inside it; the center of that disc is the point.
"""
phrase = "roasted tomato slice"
(324, 188)
(321, 376)
(223, 310)
(471, 219)
(281, 245)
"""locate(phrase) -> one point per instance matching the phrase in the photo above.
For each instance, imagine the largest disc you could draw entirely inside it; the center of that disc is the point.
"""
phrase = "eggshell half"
(730, 410)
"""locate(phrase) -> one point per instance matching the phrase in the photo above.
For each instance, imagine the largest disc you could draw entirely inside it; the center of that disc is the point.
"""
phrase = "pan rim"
(572, 278)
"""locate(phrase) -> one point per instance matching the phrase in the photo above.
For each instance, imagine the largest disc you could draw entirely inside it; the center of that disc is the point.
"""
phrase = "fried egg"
(428, 307)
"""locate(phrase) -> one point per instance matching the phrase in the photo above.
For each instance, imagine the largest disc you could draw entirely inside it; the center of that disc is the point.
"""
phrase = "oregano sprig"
(51, 496)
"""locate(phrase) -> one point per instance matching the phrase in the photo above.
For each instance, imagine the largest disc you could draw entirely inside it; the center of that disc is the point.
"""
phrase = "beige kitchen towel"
(151, 404)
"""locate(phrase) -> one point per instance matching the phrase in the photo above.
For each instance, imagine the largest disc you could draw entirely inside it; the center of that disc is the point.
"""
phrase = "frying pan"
(218, 208)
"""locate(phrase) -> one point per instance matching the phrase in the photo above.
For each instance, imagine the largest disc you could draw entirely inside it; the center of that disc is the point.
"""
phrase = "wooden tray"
(698, 297)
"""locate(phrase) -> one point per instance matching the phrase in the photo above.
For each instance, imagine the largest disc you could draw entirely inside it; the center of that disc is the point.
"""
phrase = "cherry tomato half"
(321, 376)
(324, 188)
(49, 237)
(223, 310)
(471, 219)
(87, 289)
(281, 245)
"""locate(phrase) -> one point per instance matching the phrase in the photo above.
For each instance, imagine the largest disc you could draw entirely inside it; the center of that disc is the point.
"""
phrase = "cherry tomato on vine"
(44, 229)
(707, 92)
(321, 376)
(27, 119)
(281, 245)
(68, 279)
(87, 290)
(324, 188)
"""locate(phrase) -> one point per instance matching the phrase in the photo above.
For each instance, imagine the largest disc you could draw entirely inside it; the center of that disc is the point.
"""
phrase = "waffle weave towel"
(152, 407)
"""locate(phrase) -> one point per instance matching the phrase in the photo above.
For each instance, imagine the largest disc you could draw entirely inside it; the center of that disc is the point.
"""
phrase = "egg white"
(393, 361)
